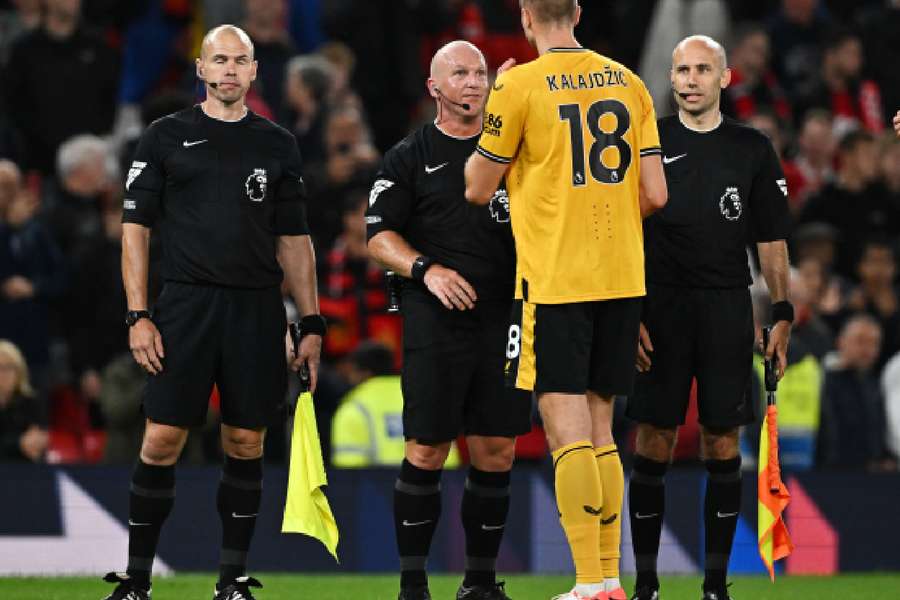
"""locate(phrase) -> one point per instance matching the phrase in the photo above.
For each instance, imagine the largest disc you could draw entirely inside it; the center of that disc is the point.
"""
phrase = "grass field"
(280, 586)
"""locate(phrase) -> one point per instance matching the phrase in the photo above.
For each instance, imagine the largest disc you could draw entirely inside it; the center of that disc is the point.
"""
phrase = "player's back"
(574, 124)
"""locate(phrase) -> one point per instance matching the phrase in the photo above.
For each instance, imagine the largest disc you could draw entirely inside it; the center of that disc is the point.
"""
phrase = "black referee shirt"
(420, 194)
(726, 191)
(221, 193)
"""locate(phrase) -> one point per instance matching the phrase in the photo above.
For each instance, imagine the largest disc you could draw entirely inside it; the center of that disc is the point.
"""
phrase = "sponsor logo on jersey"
(730, 204)
(256, 185)
(135, 170)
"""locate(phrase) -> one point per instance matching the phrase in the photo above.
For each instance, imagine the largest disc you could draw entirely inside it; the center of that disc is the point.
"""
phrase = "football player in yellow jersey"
(575, 135)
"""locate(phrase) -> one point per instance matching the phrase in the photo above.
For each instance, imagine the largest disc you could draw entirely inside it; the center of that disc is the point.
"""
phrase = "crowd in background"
(80, 79)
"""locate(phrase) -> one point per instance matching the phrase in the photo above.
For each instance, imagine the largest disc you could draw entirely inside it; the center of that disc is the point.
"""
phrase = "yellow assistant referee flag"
(306, 508)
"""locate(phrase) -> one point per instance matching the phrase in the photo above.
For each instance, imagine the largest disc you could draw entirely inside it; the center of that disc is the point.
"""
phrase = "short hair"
(817, 114)
(314, 72)
(78, 149)
(12, 353)
(837, 37)
(859, 318)
(854, 139)
(744, 30)
(374, 357)
(240, 33)
(552, 11)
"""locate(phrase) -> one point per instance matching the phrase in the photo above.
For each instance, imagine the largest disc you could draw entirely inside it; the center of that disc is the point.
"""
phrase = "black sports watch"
(133, 316)
(420, 266)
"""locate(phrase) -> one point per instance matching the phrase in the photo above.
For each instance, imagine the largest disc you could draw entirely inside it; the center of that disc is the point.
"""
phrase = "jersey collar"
(562, 49)
(455, 137)
(710, 130)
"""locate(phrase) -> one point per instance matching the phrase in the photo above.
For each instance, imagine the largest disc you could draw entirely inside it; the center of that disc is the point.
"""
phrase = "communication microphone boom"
(462, 105)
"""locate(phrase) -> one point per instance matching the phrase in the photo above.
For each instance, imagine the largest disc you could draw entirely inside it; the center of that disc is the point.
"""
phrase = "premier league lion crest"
(256, 185)
(730, 204)
(499, 206)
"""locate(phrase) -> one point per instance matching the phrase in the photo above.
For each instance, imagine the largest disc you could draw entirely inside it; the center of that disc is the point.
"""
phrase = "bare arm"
(653, 190)
(144, 339)
(483, 177)
(390, 249)
(773, 260)
(297, 258)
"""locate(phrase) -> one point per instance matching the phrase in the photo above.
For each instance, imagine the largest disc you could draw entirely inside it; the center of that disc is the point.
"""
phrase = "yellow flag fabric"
(774, 540)
(306, 508)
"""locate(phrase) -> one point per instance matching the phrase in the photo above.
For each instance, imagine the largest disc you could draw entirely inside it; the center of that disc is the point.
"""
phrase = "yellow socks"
(612, 482)
(579, 499)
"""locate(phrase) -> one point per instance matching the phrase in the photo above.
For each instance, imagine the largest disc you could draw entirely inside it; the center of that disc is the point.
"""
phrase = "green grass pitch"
(282, 586)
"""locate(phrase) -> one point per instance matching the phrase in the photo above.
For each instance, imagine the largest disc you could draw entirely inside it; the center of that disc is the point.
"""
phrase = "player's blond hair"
(551, 11)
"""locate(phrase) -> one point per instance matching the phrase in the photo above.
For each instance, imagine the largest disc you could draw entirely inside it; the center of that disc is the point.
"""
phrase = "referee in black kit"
(460, 261)
(726, 190)
(223, 186)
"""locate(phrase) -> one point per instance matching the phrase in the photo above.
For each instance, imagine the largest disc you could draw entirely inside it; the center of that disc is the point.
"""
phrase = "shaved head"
(703, 40)
(451, 53)
(225, 30)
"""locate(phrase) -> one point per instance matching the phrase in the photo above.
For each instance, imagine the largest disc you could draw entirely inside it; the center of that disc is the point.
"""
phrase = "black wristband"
(420, 267)
(314, 324)
(783, 311)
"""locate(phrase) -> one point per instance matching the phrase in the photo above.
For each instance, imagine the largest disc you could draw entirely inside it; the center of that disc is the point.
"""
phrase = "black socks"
(417, 508)
(485, 504)
(151, 499)
(240, 492)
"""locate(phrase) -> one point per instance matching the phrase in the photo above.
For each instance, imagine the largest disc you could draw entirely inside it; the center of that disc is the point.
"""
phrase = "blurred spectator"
(890, 387)
(350, 161)
(61, 80)
(31, 275)
(97, 290)
(353, 296)
(852, 431)
(342, 64)
(853, 204)
(87, 174)
(767, 122)
(384, 36)
(23, 437)
(120, 390)
(753, 86)
(889, 151)
(266, 24)
(840, 89)
(367, 430)
(809, 289)
(307, 84)
(882, 47)
(797, 31)
(877, 294)
(674, 20)
(813, 165)
(24, 16)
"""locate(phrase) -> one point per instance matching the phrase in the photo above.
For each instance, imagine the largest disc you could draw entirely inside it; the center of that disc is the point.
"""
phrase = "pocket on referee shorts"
(520, 368)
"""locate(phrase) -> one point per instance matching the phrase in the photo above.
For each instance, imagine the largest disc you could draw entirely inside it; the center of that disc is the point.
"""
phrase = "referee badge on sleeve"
(256, 185)
(730, 204)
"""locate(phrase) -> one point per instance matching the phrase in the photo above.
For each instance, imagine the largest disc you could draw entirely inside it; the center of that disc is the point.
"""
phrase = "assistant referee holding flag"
(726, 191)
(223, 186)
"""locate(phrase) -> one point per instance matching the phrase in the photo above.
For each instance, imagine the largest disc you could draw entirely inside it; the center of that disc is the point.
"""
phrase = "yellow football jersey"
(574, 125)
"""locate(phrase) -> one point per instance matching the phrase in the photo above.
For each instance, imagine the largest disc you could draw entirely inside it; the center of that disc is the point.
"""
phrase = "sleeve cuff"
(492, 156)
(651, 151)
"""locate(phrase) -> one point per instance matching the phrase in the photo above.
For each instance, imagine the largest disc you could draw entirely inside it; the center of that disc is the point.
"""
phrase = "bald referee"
(726, 191)
(223, 187)
(460, 262)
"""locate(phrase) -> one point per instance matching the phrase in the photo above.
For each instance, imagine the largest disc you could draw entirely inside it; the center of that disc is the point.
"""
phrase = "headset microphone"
(212, 84)
(462, 105)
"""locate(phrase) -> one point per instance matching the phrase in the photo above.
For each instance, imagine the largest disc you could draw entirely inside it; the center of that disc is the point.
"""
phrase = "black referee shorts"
(453, 373)
(702, 333)
(572, 348)
(227, 336)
